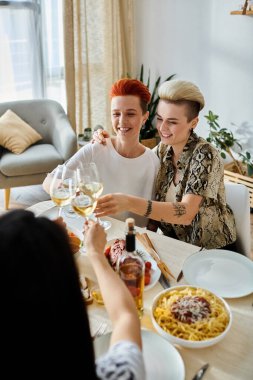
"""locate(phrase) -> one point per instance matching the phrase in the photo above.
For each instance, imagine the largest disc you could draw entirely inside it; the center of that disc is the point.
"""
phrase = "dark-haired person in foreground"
(44, 324)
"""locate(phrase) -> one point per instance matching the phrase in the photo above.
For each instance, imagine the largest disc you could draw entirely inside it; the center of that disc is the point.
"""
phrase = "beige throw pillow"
(15, 134)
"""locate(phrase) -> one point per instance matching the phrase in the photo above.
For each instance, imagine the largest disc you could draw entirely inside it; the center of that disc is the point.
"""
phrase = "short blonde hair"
(181, 91)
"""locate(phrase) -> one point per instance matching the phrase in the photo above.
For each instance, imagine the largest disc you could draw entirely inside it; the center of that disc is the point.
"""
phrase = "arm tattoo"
(149, 209)
(179, 209)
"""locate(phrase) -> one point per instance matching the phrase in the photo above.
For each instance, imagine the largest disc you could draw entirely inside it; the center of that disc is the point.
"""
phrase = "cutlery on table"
(180, 275)
(181, 272)
(164, 282)
(199, 375)
(148, 245)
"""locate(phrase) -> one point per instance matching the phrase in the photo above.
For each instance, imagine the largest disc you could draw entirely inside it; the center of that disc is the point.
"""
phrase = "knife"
(164, 281)
(199, 375)
(181, 272)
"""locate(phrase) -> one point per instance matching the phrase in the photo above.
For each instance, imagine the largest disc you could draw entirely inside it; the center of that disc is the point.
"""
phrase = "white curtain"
(98, 51)
(31, 50)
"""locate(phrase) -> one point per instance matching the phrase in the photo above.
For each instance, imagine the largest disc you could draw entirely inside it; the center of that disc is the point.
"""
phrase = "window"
(31, 50)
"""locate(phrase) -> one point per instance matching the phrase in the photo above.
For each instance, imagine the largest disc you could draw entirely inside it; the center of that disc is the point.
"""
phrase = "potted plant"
(148, 131)
(224, 140)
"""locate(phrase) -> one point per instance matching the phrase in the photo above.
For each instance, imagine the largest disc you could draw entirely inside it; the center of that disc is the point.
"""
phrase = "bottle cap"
(130, 222)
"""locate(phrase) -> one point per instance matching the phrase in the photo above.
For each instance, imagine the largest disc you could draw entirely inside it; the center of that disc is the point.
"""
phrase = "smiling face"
(173, 125)
(127, 116)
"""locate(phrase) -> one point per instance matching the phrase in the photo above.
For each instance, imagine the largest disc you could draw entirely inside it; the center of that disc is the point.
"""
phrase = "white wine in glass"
(90, 189)
(83, 205)
(63, 186)
(90, 185)
(68, 211)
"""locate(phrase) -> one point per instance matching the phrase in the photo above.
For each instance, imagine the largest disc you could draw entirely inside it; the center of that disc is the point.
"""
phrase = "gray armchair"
(58, 144)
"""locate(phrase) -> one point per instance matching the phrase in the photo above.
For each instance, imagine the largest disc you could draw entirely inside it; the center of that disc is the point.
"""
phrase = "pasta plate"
(190, 316)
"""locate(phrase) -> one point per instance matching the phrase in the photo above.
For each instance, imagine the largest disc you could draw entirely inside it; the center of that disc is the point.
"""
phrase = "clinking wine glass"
(63, 186)
(90, 189)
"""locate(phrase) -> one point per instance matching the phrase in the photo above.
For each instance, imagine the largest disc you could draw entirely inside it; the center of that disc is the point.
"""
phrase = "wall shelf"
(248, 13)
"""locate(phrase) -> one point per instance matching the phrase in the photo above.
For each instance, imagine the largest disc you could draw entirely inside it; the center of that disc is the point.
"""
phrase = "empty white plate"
(225, 273)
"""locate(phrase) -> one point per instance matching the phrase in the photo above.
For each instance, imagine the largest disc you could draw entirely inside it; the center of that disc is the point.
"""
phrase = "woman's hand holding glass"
(63, 186)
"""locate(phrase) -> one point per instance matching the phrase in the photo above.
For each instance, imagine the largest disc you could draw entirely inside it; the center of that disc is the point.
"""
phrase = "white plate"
(225, 273)
(162, 360)
(155, 271)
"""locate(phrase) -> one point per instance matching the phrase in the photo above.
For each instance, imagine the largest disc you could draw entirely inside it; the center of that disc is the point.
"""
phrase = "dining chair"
(237, 197)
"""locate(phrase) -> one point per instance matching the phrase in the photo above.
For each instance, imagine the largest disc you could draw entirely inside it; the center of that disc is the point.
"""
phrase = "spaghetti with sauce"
(191, 314)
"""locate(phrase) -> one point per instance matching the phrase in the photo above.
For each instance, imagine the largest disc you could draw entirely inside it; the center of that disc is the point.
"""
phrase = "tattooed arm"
(177, 213)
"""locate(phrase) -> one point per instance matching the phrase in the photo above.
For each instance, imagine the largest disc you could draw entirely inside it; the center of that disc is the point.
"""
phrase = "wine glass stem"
(60, 211)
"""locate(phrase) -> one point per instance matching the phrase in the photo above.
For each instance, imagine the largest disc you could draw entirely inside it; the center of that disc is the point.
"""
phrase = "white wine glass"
(63, 186)
(95, 186)
(90, 188)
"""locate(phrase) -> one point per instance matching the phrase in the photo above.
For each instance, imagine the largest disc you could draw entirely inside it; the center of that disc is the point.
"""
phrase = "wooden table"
(230, 359)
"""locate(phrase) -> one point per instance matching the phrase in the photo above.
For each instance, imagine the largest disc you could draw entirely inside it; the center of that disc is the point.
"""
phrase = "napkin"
(99, 326)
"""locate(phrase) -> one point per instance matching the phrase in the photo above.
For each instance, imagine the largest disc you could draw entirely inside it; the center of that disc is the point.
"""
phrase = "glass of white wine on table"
(90, 188)
(63, 186)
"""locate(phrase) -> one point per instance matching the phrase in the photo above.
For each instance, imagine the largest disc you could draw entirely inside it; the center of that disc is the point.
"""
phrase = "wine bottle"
(131, 267)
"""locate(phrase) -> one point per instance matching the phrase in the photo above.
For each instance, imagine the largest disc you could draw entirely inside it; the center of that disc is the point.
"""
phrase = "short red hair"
(134, 87)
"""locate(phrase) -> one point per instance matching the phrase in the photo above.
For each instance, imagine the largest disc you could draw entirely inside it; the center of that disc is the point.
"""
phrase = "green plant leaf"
(141, 73)
(239, 145)
(169, 78)
(148, 82)
(155, 89)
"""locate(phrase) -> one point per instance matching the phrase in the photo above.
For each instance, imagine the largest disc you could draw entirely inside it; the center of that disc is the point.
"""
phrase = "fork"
(199, 375)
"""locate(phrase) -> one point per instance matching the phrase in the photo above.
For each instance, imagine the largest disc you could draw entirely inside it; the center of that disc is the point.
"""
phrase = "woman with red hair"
(124, 164)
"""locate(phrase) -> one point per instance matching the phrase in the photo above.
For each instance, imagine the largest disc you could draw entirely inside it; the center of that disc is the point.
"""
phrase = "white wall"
(200, 41)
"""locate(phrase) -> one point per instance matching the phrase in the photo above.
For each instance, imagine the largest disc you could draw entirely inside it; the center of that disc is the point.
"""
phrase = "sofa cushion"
(42, 158)
(15, 134)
